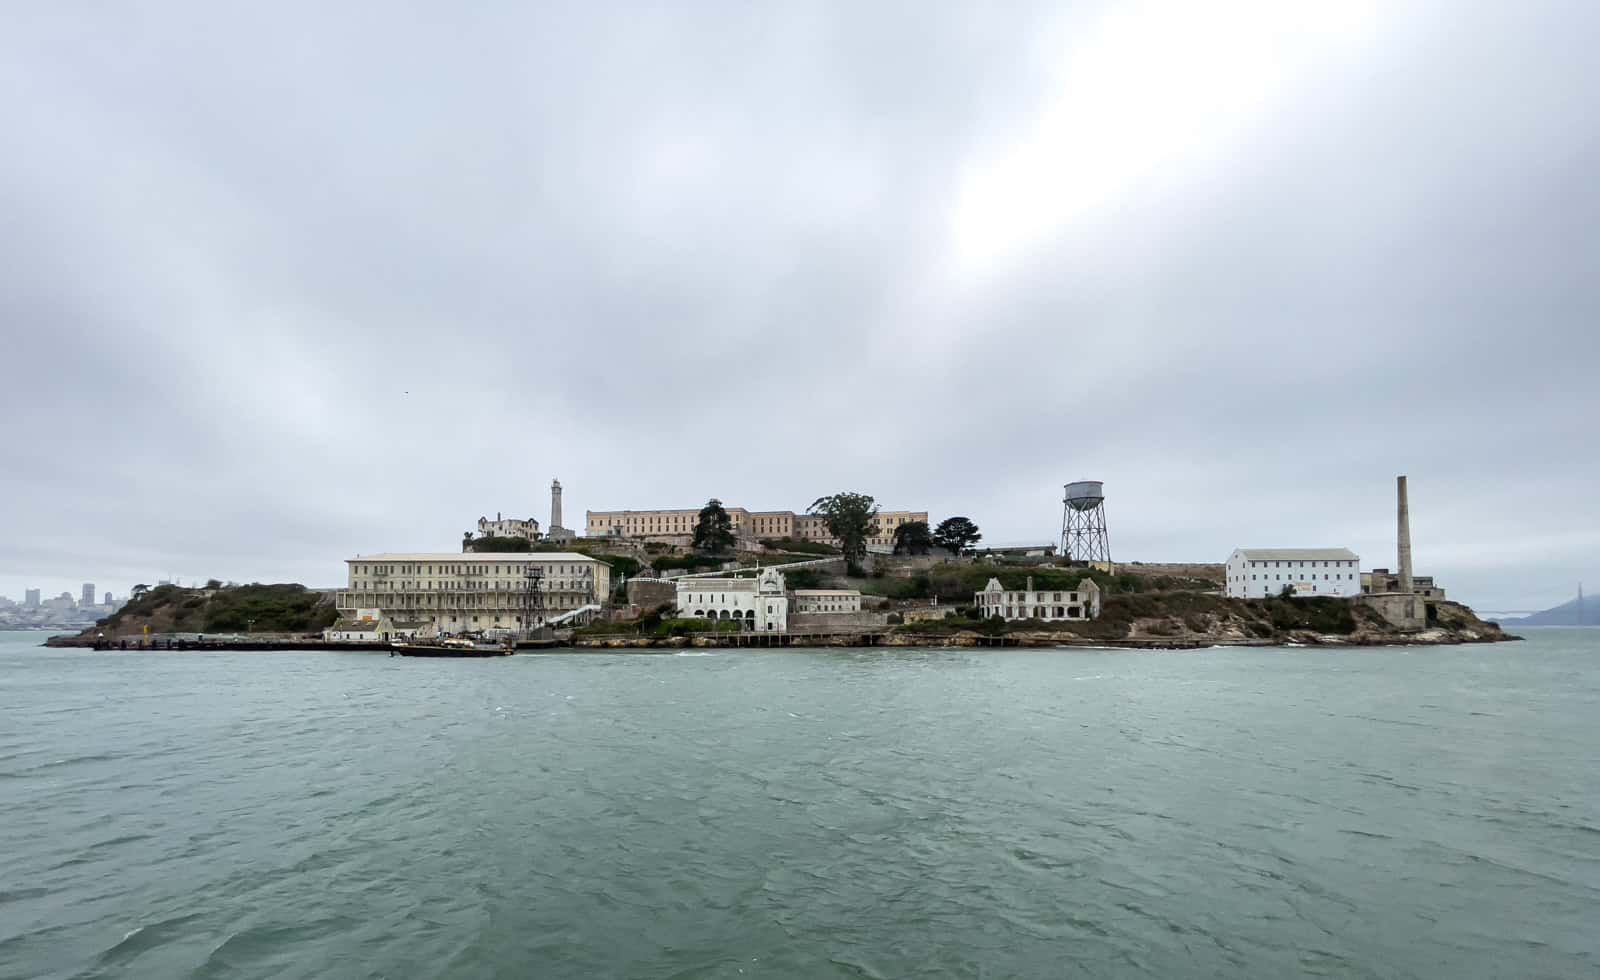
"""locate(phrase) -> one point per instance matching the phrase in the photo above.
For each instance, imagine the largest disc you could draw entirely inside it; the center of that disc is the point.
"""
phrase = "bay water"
(1399, 812)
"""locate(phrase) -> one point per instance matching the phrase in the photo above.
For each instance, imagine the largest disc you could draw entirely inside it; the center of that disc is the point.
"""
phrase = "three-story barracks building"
(1258, 573)
(469, 592)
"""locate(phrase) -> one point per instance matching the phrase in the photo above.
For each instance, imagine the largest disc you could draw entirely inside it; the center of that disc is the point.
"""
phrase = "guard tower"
(532, 599)
(1083, 522)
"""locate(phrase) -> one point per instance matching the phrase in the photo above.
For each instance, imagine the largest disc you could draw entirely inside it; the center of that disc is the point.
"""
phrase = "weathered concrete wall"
(805, 622)
(1405, 612)
(601, 547)
(906, 566)
(648, 593)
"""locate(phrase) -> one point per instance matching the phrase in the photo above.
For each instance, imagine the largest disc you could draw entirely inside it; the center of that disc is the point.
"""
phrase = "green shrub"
(618, 628)
(230, 609)
(917, 587)
(622, 566)
(685, 626)
(490, 544)
(268, 609)
(804, 578)
(687, 562)
(1324, 614)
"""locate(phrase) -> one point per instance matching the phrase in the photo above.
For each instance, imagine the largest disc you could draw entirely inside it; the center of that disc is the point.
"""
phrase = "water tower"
(1083, 522)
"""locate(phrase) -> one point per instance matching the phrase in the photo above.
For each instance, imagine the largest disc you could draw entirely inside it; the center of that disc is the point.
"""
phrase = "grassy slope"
(232, 609)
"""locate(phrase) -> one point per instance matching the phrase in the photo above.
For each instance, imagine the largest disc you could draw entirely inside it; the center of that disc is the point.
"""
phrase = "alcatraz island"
(844, 572)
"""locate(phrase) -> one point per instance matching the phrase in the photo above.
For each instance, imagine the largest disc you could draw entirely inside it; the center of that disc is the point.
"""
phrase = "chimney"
(1404, 536)
(1030, 583)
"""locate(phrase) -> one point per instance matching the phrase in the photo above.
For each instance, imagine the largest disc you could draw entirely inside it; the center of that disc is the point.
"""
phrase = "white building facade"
(472, 592)
(509, 527)
(1260, 573)
(759, 603)
(1042, 604)
(352, 631)
(827, 601)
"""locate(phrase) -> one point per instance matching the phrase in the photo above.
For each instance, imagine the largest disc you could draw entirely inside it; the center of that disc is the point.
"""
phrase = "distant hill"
(221, 608)
(1565, 614)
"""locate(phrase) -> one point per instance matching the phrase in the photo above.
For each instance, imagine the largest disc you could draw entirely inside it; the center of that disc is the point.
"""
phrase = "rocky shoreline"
(1041, 639)
(1144, 621)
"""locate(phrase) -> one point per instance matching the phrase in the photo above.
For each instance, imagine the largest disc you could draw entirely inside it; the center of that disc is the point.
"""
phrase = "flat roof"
(827, 591)
(499, 556)
(1298, 554)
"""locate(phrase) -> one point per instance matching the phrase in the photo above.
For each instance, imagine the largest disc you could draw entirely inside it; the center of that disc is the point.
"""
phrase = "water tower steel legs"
(1083, 533)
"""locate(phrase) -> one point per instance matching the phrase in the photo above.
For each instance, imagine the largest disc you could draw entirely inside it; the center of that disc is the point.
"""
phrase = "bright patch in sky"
(1146, 89)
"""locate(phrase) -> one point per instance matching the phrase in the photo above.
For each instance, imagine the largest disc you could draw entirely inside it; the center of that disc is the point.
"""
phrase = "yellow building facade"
(677, 526)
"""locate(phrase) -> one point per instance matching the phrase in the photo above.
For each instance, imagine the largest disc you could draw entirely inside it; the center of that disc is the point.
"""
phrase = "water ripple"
(823, 813)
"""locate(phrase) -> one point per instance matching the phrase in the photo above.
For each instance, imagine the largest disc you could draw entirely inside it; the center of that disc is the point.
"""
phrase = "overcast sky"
(296, 281)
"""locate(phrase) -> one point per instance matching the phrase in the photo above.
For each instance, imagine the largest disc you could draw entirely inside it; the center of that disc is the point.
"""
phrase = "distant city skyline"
(17, 590)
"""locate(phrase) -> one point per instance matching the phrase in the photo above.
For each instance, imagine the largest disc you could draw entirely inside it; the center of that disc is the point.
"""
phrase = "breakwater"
(184, 643)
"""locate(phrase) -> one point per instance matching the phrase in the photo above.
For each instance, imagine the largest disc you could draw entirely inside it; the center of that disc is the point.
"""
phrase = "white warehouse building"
(1258, 573)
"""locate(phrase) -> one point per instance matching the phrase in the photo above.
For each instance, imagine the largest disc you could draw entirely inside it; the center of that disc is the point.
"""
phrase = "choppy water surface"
(1388, 813)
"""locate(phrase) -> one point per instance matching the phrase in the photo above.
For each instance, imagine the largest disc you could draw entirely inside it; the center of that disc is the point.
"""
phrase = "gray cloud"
(284, 285)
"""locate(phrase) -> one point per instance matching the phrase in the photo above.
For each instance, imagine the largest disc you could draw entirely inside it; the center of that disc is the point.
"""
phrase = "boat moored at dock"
(455, 646)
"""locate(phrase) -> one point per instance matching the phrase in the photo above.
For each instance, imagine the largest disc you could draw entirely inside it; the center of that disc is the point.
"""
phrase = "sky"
(293, 282)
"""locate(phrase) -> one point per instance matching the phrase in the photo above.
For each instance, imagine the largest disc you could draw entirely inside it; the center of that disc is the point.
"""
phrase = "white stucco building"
(758, 603)
(1042, 604)
(1258, 573)
(508, 527)
(472, 592)
(381, 629)
(352, 631)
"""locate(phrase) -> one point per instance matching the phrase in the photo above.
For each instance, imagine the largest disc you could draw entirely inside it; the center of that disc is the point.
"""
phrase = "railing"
(566, 617)
(757, 569)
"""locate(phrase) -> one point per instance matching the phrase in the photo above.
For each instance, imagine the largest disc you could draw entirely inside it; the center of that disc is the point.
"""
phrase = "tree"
(850, 517)
(466, 541)
(713, 530)
(956, 533)
(138, 590)
(912, 538)
(490, 543)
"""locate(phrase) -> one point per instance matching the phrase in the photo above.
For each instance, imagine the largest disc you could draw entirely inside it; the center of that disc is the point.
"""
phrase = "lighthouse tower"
(555, 532)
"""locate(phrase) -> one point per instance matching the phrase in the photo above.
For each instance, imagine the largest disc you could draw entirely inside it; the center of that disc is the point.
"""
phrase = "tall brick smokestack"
(1404, 536)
